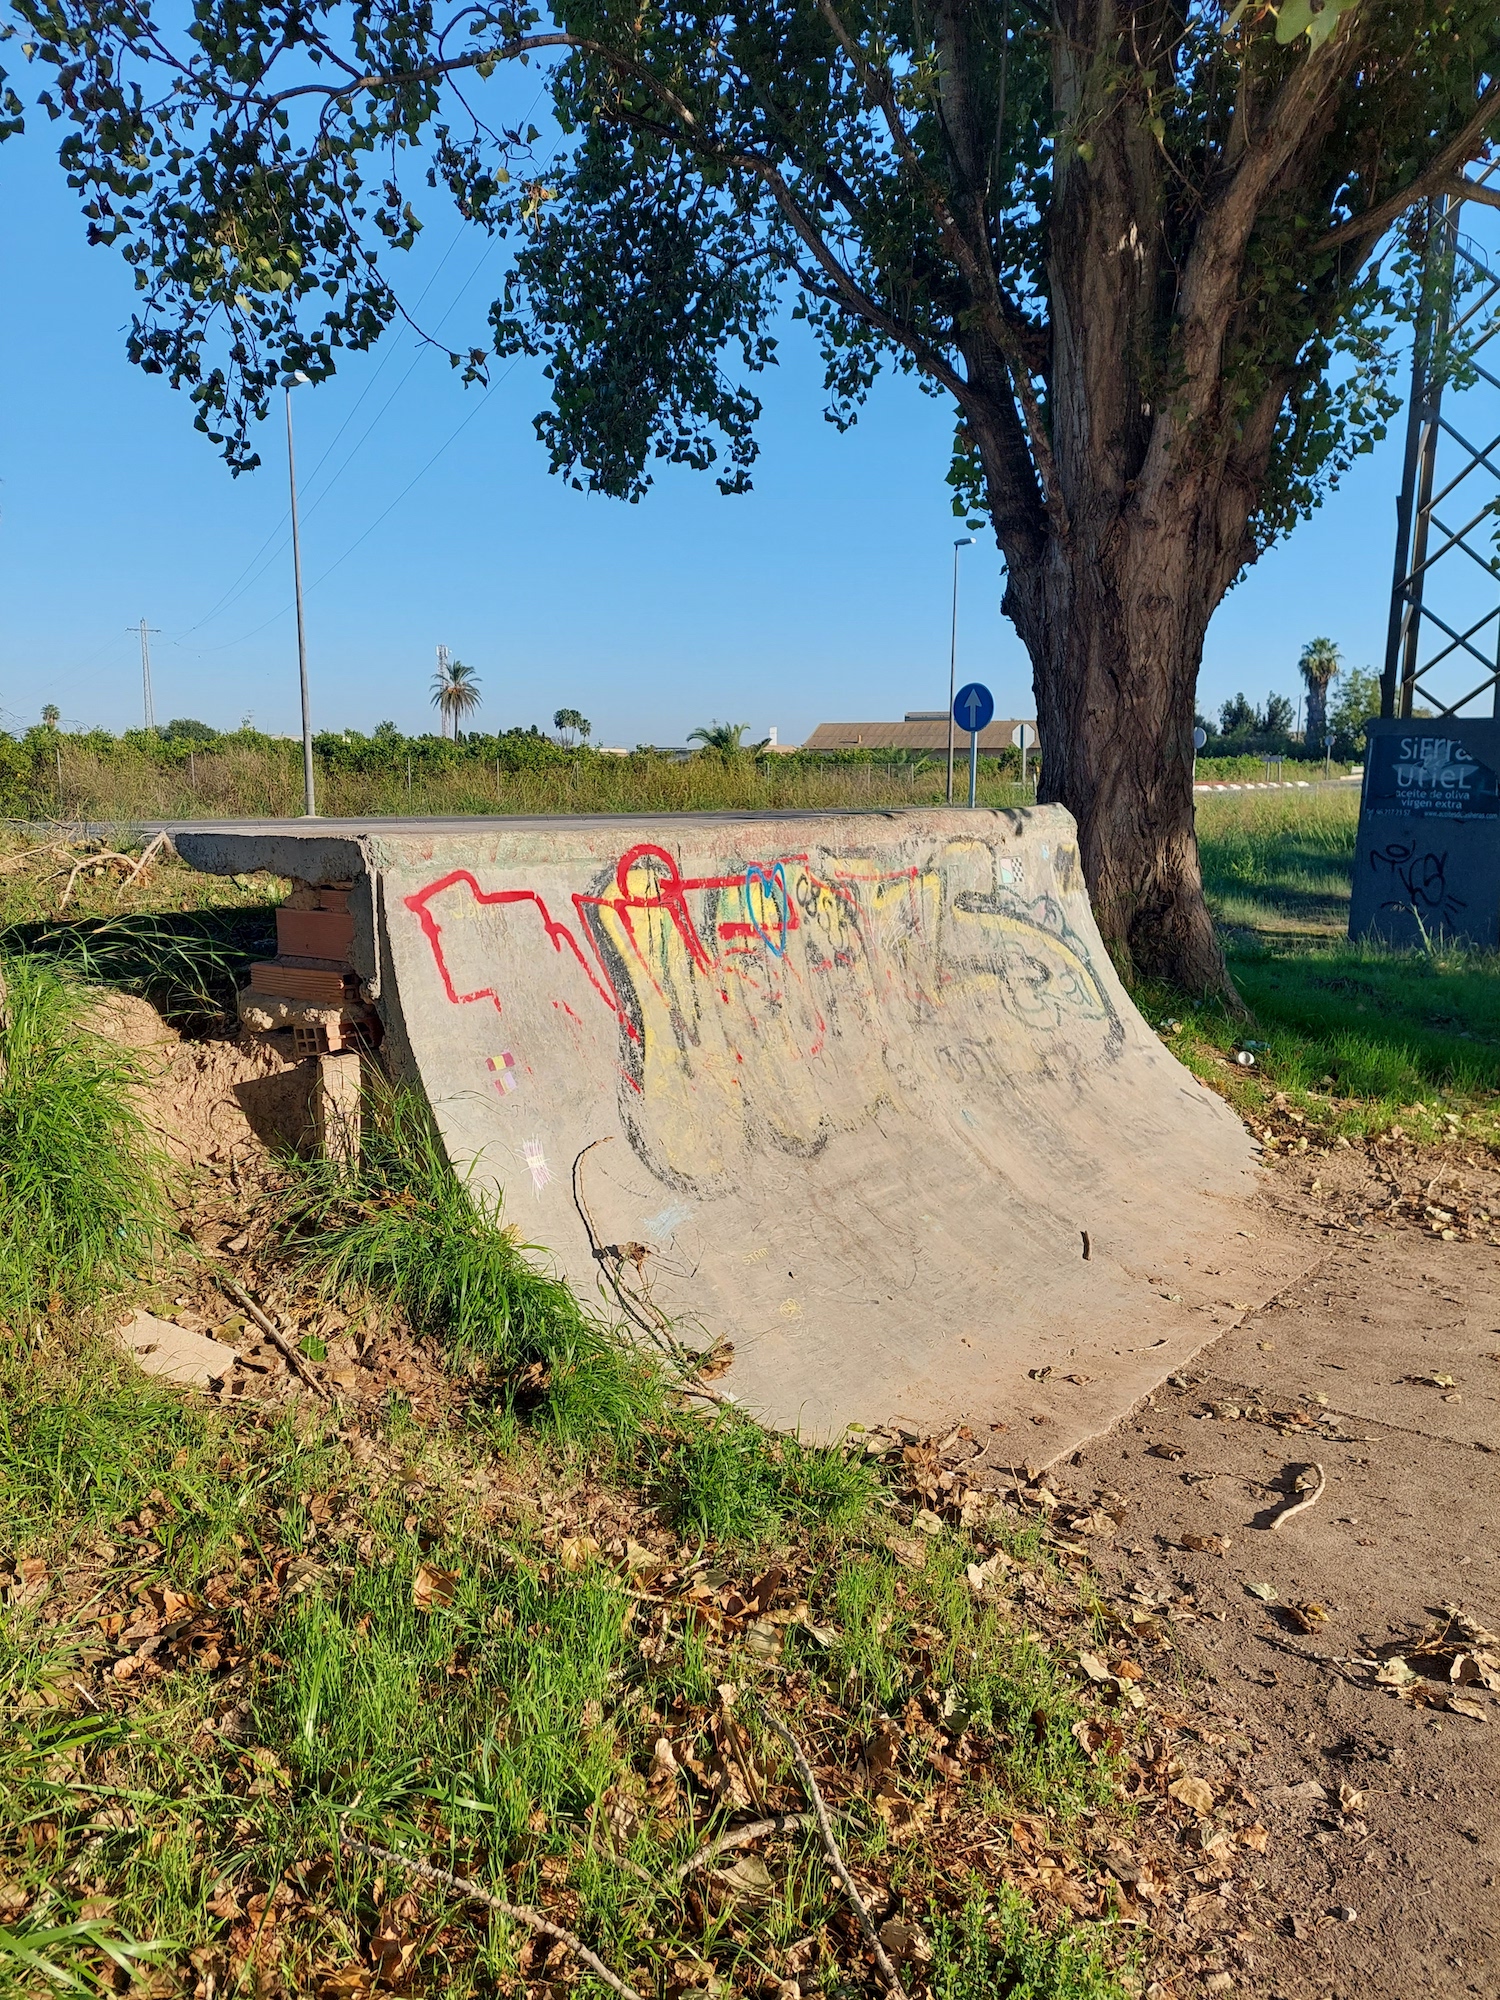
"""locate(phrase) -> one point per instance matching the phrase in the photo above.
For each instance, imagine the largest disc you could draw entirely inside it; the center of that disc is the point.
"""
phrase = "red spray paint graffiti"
(669, 896)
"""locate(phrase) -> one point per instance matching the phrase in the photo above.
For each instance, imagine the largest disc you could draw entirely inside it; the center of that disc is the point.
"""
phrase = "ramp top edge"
(333, 849)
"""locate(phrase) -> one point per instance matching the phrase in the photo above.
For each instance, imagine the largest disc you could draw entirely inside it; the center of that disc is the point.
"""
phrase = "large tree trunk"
(1117, 657)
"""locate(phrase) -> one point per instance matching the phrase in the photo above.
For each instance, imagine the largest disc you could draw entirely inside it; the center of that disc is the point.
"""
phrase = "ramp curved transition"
(860, 1094)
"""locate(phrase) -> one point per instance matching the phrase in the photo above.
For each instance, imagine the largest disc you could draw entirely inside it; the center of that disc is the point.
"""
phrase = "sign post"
(974, 710)
(1023, 736)
(1200, 737)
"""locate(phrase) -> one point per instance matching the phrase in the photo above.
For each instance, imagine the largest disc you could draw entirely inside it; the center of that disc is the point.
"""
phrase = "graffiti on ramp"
(783, 996)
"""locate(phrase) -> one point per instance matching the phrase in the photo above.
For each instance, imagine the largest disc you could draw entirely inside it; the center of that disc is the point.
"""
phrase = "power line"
(256, 567)
(364, 537)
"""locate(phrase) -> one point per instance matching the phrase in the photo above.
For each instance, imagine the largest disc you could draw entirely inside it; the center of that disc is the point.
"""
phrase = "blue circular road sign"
(974, 707)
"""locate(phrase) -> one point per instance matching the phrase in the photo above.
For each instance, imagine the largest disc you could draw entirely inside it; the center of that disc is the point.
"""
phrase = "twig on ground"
(691, 1386)
(518, 1913)
(158, 842)
(14, 861)
(740, 1836)
(836, 1860)
(610, 1257)
(293, 1359)
(88, 861)
(1301, 1506)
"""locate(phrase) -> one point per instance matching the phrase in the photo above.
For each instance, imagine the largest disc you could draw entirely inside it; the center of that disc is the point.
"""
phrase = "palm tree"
(1319, 663)
(51, 716)
(569, 723)
(724, 739)
(455, 691)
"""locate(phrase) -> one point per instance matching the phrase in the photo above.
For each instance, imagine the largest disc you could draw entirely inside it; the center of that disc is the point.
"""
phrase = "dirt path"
(1380, 1875)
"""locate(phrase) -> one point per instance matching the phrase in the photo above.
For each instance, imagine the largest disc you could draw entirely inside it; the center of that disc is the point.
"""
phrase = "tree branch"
(999, 312)
(1436, 179)
(842, 289)
(1211, 282)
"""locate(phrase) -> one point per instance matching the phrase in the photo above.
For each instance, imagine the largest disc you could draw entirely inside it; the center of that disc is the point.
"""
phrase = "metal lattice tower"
(1443, 645)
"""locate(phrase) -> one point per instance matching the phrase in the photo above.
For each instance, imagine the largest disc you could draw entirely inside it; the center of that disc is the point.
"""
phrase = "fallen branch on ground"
(88, 861)
(293, 1359)
(518, 1913)
(740, 1836)
(611, 1258)
(159, 842)
(836, 1860)
(14, 861)
(1301, 1506)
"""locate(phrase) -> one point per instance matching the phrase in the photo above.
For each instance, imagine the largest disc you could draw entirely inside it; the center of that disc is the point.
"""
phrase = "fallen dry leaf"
(1195, 1793)
(1307, 1617)
(748, 1881)
(432, 1588)
(576, 1550)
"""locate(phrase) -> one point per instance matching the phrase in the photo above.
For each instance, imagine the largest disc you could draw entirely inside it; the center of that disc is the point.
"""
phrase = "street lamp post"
(309, 800)
(963, 542)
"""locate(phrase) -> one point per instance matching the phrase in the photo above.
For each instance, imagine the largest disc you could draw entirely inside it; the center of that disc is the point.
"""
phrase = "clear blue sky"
(823, 596)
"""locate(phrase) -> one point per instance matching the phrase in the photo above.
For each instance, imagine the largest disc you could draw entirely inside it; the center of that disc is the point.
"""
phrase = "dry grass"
(253, 783)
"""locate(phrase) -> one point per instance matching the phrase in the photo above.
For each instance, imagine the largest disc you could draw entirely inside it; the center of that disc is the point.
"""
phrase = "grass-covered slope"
(80, 1184)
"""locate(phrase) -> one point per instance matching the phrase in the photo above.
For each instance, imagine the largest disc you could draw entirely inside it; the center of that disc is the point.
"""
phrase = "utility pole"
(963, 542)
(444, 659)
(309, 799)
(148, 710)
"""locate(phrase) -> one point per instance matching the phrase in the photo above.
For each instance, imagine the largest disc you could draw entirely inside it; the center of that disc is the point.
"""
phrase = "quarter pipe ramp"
(859, 1093)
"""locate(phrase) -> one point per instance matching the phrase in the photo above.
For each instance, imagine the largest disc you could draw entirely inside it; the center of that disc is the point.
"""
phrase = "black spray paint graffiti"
(1423, 877)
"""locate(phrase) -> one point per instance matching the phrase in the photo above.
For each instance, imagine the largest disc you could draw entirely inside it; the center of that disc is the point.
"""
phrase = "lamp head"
(964, 542)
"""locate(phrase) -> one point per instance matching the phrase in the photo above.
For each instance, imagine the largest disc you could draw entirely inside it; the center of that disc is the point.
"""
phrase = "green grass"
(1279, 862)
(394, 1652)
(994, 1949)
(80, 1200)
(724, 1478)
(504, 1732)
(189, 964)
(1356, 1036)
(409, 1229)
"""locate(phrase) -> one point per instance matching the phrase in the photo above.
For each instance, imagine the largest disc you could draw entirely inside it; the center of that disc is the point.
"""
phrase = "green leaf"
(1317, 19)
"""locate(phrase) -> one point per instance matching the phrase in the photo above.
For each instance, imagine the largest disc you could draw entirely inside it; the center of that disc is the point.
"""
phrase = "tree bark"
(1116, 633)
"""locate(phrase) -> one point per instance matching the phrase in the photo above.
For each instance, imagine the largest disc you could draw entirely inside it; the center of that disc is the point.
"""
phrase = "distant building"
(924, 733)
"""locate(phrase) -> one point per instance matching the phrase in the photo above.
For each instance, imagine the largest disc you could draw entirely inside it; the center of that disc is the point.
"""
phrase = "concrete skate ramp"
(860, 1093)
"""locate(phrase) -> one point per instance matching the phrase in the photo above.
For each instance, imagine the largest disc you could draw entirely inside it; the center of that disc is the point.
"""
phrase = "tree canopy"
(455, 693)
(897, 171)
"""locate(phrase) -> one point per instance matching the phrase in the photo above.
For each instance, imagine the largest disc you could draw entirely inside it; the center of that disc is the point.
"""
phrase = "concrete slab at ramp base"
(856, 1092)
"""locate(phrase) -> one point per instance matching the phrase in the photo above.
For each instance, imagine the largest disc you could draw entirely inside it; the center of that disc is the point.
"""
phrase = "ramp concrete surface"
(859, 1093)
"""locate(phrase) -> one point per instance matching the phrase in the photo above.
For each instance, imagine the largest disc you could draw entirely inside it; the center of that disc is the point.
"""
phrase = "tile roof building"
(923, 733)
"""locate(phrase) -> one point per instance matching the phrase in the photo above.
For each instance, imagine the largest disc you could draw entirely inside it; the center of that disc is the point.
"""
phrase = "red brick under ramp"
(860, 1094)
